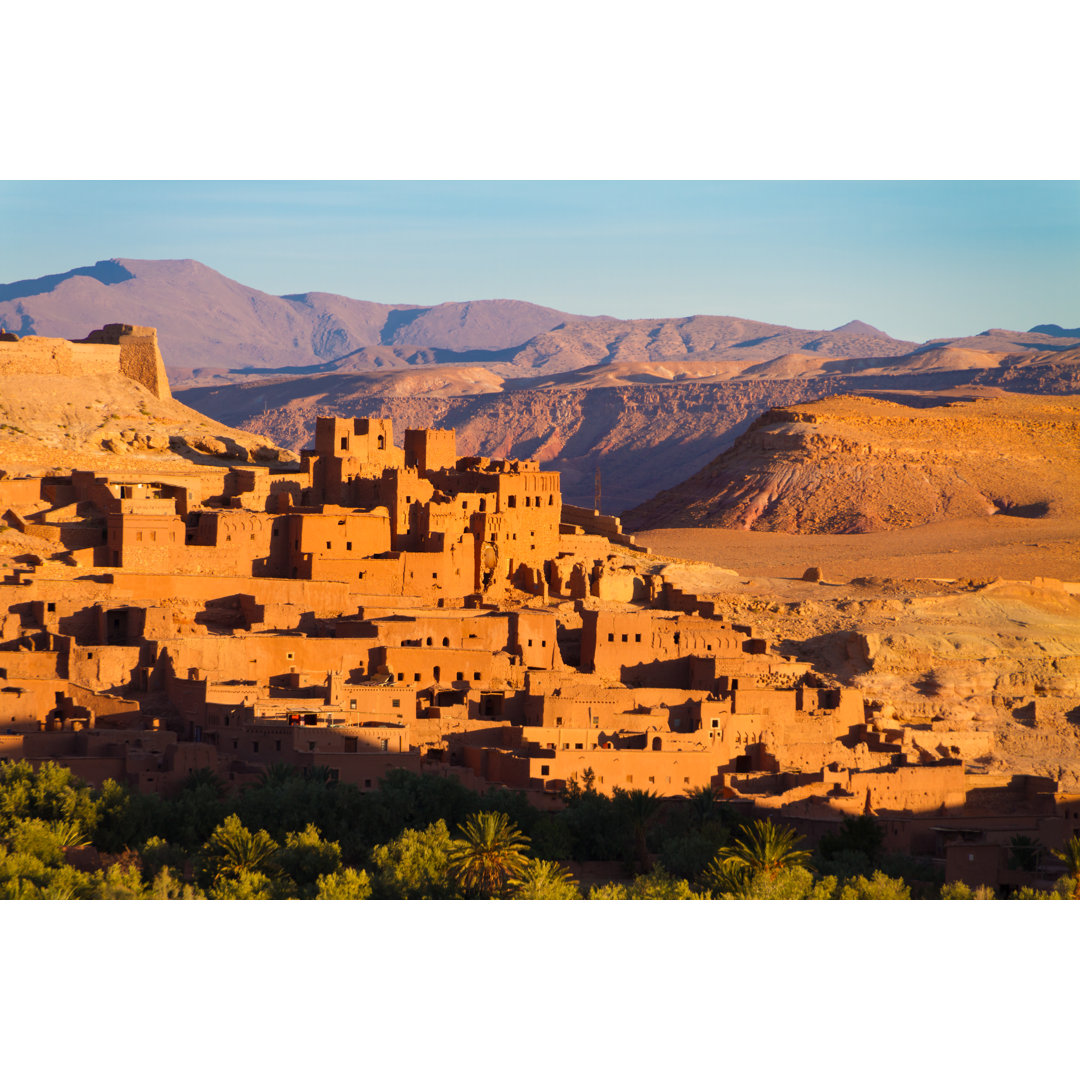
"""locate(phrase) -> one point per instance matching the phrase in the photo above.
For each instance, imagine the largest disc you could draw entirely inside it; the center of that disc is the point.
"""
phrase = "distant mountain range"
(213, 329)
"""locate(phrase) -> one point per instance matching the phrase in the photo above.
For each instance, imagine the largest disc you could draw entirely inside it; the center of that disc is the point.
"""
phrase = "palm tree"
(542, 880)
(277, 774)
(205, 778)
(1024, 853)
(489, 854)
(233, 849)
(701, 802)
(68, 833)
(639, 807)
(1070, 856)
(762, 848)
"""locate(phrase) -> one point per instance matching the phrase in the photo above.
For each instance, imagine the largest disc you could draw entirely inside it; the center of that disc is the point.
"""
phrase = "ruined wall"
(117, 349)
(139, 356)
(55, 356)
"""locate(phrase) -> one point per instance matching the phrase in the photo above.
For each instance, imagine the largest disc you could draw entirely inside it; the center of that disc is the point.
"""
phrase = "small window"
(311, 746)
(530, 643)
(611, 637)
(50, 607)
(578, 746)
(327, 545)
(461, 676)
(624, 638)
(676, 637)
(367, 783)
(348, 545)
(416, 676)
(344, 442)
(401, 676)
(446, 642)
(352, 704)
(476, 675)
(511, 501)
(396, 703)
(637, 638)
(255, 747)
(277, 744)
(545, 770)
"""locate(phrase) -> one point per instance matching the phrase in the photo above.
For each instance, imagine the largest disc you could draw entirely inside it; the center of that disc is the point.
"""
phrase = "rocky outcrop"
(858, 465)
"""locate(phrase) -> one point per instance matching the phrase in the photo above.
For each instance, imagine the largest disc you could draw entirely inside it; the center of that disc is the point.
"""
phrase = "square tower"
(430, 449)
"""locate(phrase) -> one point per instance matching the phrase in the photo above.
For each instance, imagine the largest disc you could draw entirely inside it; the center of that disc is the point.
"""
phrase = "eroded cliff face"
(860, 465)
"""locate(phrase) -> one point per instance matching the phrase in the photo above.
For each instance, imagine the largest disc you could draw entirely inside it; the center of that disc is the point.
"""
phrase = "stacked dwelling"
(383, 607)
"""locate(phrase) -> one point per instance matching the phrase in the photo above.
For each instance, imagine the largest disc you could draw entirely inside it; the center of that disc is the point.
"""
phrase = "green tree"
(305, 858)
(414, 865)
(121, 880)
(658, 884)
(877, 887)
(543, 880)
(346, 884)
(245, 885)
(489, 854)
(166, 887)
(957, 890)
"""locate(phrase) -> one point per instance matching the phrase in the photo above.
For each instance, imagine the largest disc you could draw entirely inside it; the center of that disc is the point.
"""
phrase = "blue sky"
(917, 259)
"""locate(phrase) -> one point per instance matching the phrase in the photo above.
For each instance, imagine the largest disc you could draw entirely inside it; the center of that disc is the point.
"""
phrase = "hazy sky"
(917, 259)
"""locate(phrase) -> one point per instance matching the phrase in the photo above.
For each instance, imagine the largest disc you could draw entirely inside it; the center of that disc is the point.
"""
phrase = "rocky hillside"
(857, 465)
(100, 421)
